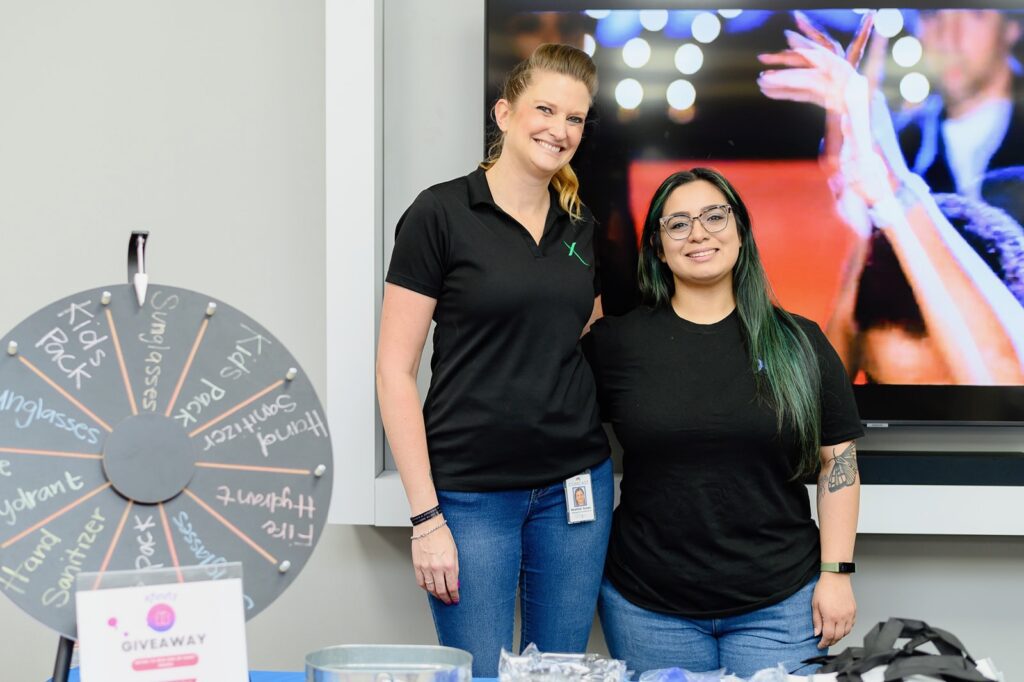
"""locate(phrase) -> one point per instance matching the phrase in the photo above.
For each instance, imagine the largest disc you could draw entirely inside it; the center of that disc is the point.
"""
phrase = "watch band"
(838, 567)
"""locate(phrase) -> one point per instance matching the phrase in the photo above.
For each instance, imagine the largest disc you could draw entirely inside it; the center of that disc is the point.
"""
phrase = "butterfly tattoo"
(843, 472)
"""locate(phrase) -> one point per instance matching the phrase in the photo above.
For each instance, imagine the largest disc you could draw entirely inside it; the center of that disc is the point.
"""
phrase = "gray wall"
(203, 122)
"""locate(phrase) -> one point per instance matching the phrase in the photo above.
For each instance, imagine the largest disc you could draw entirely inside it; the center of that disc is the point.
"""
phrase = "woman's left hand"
(833, 608)
(812, 74)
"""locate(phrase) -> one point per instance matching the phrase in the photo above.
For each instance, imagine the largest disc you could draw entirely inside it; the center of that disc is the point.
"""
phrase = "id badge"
(579, 498)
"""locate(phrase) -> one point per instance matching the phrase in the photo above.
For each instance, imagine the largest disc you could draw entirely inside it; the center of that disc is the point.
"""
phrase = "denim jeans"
(520, 539)
(647, 640)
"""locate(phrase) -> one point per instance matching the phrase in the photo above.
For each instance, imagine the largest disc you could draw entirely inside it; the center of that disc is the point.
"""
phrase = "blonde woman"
(503, 261)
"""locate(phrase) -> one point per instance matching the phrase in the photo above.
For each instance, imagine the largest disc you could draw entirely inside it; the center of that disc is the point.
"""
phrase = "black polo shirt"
(511, 402)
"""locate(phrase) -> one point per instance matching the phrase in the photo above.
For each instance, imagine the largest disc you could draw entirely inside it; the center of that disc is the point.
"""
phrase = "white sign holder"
(160, 625)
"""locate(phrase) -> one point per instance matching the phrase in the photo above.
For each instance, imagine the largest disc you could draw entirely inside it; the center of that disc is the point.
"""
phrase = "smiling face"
(543, 127)
(702, 258)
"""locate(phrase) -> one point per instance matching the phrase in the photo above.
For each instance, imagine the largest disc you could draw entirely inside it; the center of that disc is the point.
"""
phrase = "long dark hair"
(786, 373)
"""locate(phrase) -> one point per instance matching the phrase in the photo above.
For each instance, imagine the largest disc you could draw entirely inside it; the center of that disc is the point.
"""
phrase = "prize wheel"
(178, 432)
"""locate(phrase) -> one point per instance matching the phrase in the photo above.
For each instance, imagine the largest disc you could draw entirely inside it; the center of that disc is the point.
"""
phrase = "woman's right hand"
(405, 320)
(436, 561)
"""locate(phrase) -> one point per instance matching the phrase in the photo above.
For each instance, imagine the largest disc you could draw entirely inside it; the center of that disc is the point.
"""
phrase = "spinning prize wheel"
(172, 432)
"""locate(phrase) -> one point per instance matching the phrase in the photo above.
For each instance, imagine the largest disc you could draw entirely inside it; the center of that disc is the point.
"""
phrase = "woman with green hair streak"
(724, 404)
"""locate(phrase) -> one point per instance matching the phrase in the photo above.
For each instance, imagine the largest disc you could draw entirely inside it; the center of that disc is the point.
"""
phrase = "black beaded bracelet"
(425, 516)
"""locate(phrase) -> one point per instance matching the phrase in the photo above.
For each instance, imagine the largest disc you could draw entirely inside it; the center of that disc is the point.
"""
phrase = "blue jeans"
(520, 539)
(647, 640)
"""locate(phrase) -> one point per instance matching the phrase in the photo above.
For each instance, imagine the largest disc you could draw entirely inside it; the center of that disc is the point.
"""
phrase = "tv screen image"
(881, 155)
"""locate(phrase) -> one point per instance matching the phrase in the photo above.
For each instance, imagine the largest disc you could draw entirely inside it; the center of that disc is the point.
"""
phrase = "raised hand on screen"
(817, 70)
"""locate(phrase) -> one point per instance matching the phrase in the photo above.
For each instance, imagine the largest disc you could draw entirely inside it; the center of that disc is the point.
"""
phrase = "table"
(269, 676)
(254, 676)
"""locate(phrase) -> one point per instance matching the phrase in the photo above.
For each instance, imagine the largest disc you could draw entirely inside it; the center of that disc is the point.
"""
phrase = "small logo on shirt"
(572, 252)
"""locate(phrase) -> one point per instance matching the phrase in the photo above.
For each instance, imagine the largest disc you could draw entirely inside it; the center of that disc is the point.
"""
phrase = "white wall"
(204, 123)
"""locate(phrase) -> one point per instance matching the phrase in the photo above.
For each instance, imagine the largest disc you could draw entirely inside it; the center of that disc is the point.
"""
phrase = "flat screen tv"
(681, 86)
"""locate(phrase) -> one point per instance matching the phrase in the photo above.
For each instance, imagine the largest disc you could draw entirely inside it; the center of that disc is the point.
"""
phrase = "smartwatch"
(838, 567)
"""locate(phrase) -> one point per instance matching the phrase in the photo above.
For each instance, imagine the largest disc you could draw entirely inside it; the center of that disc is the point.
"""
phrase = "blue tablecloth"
(265, 676)
(255, 676)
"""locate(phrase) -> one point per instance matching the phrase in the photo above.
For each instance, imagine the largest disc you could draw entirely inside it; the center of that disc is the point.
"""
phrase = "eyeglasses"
(713, 219)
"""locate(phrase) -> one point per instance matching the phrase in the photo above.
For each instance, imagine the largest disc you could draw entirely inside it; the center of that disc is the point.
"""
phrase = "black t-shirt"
(512, 401)
(709, 524)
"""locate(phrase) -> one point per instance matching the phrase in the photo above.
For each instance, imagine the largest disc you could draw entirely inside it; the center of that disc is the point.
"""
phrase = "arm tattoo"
(842, 473)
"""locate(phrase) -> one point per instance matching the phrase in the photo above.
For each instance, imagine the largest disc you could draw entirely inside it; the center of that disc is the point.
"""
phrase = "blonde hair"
(564, 60)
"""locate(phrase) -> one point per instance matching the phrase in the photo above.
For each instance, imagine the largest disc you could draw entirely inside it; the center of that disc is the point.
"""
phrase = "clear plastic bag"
(534, 666)
(680, 675)
(776, 674)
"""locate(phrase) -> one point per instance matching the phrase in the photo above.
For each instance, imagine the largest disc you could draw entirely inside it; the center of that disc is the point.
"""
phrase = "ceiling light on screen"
(589, 44)
(689, 58)
(636, 52)
(914, 87)
(654, 19)
(888, 22)
(616, 29)
(681, 94)
(706, 27)
(629, 93)
(907, 51)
